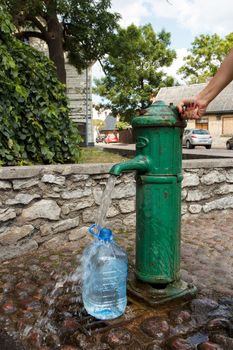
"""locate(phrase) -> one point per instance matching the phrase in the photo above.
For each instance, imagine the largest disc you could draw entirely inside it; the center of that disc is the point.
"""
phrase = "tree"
(133, 69)
(98, 124)
(122, 125)
(83, 28)
(35, 123)
(205, 57)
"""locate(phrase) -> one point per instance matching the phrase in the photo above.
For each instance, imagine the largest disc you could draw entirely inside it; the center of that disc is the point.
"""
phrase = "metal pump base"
(156, 296)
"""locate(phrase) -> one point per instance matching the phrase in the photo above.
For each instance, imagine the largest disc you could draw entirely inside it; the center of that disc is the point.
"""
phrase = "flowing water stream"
(105, 201)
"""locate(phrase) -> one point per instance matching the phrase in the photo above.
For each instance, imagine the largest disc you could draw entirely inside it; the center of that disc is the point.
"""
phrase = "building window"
(227, 125)
(202, 123)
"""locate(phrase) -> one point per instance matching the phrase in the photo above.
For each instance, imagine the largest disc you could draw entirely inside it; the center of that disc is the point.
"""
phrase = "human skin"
(195, 107)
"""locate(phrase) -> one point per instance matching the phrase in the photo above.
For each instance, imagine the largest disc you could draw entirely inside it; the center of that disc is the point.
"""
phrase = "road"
(198, 152)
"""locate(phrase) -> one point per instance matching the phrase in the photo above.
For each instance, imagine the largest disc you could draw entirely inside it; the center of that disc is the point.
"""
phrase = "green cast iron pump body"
(158, 165)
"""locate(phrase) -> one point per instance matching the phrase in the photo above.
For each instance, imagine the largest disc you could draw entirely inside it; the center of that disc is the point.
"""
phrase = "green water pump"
(158, 165)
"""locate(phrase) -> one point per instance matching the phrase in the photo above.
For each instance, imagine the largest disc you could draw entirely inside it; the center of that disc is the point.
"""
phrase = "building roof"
(109, 123)
(223, 103)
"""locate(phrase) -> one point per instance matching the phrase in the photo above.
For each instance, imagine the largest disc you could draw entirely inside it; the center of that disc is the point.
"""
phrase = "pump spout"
(139, 163)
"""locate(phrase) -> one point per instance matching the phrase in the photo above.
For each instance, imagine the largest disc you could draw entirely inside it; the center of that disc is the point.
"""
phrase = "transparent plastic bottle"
(104, 276)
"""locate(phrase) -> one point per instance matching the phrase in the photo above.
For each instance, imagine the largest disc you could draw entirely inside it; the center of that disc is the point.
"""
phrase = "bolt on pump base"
(158, 166)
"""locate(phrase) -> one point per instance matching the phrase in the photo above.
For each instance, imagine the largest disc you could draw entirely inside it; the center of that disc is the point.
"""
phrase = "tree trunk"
(54, 39)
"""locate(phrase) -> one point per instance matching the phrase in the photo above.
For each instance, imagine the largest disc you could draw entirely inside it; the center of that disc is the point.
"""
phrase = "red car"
(111, 139)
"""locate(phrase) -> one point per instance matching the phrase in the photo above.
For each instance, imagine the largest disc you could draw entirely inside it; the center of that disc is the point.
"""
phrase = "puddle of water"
(62, 321)
(197, 339)
(49, 319)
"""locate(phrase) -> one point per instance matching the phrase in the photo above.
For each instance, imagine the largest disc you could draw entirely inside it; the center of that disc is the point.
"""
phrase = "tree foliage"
(98, 124)
(35, 126)
(205, 56)
(122, 125)
(133, 69)
(82, 28)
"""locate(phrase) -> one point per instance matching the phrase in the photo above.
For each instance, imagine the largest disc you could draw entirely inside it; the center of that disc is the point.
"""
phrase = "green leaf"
(34, 121)
(204, 58)
(133, 70)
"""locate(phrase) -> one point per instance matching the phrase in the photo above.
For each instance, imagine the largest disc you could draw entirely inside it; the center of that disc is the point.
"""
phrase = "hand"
(192, 108)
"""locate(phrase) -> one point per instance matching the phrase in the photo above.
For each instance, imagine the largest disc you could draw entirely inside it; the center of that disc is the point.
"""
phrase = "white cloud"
(213, 16)
(197, 16)
(131, 11)
(177, 63)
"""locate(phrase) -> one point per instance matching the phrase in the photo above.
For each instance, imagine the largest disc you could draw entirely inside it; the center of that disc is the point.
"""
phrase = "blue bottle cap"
(105, 234)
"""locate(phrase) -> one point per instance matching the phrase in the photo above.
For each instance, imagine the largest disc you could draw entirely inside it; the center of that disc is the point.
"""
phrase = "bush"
(122, 125)
(34, 116)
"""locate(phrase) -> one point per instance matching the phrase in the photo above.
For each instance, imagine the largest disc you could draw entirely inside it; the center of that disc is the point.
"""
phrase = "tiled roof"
(223, 103)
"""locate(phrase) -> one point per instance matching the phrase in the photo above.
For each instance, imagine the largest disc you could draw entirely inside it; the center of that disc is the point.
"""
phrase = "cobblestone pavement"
(207, 252)
(34, 315)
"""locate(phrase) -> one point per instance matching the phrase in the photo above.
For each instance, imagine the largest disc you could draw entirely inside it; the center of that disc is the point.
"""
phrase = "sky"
(184, 19)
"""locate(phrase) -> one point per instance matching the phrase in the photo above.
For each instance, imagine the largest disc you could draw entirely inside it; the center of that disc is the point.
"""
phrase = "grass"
(94, 155)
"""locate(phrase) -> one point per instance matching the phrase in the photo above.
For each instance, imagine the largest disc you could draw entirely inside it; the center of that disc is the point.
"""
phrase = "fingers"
(190, 115)
(186, 104)
(180, 107)
(188, 109)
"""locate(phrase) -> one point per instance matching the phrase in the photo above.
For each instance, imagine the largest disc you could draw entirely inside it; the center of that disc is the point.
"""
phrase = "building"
(218, 118)
(79, 93)
(109, 122)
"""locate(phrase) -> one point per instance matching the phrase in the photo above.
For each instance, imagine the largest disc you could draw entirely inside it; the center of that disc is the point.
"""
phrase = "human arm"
(196, 106)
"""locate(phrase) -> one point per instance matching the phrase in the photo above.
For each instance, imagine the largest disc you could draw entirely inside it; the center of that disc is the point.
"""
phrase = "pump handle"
(184, 107)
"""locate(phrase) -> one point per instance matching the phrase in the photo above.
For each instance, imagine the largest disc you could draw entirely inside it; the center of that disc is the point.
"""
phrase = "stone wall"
(207, 185)
(49, 205)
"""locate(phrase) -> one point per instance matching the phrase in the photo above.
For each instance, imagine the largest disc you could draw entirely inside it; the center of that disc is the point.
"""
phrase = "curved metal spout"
(139, 163)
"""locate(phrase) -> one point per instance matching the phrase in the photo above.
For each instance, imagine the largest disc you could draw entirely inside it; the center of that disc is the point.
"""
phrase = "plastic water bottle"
(104, 276)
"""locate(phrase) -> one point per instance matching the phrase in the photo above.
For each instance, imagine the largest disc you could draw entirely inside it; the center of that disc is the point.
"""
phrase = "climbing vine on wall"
(34, 123)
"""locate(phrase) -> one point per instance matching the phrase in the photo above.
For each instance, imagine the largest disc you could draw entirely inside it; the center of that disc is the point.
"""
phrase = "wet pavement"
(41, 306)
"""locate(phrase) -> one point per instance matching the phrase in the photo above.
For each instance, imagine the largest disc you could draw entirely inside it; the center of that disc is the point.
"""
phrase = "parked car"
(197, 137)
(111, 139)
(100, 138)
(229, 143)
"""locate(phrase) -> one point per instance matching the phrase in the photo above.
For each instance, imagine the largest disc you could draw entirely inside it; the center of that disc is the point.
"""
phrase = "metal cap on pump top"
(159, 114)
(105, 234)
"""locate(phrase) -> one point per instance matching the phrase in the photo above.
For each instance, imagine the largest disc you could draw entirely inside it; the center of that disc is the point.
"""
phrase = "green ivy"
(34, 117)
